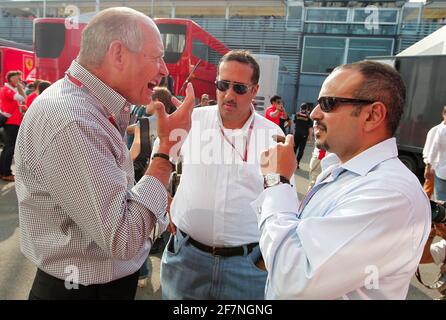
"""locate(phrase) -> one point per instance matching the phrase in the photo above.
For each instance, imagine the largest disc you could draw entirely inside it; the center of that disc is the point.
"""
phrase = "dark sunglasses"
(239, 88)
(327, 104)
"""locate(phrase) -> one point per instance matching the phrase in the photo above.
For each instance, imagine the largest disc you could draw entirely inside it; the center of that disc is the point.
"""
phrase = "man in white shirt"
(436, 161)
(360, 232)
(214, 251)
(428, 178)
(435, 252)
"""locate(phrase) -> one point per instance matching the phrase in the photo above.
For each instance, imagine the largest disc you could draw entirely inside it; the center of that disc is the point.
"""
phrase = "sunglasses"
(328, 104)
(239, 88)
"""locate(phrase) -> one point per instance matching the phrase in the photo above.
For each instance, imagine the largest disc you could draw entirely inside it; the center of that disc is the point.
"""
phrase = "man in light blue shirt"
(360, 232)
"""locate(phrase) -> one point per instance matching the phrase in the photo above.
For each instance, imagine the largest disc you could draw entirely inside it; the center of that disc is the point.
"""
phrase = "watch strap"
(284, 180)
(164, 156)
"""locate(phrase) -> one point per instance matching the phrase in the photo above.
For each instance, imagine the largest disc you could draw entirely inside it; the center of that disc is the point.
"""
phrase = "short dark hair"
(274, 98)
(12, 73)
(43, 85)
(163, 95)
(245, 57)
(381, 83)
(305, 105)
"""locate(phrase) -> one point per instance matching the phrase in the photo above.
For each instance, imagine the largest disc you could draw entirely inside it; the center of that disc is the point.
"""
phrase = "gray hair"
(120, 23)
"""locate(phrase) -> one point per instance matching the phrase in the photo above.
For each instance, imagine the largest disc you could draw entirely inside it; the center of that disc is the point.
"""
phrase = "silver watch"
(273, 179)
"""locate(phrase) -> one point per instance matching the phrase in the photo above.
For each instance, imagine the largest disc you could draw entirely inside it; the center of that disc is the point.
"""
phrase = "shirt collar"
(112, 101)
(245, 126)
(364, 162)
(11, 87)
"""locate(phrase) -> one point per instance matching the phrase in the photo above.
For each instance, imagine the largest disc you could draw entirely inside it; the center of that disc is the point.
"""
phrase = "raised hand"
(173, 129)
(280, 159)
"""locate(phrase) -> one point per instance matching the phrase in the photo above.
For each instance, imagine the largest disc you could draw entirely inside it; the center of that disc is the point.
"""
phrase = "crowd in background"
(16, 97)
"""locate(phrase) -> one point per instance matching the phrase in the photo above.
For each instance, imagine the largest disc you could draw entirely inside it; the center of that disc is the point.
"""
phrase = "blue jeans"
(440, 189)
(144, 271)
(187, 273)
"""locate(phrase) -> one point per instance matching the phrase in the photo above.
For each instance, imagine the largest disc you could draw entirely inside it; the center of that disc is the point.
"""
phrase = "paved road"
(17, 273)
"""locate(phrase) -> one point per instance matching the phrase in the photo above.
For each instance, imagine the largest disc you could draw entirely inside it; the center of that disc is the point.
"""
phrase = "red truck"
(16, 59)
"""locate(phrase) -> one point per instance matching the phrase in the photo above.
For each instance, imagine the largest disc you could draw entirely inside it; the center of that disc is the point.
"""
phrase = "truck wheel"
(409, 162)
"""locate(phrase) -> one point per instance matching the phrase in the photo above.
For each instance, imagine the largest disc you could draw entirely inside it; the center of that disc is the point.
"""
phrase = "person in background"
(12, 97)
(31, 87)
(136, 113)
(285, 122)
(303, 126)
(315, 165)
(41, 86)
(436, 160)
(428, 185)
(145, 132)
(204, 101)
(435, 252)
(275, 111)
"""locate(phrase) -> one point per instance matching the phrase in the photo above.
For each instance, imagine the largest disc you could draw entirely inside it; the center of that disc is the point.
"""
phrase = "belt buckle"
(214, 252)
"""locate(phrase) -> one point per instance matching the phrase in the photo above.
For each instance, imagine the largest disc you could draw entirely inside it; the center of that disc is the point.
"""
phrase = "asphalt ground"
(17, 272)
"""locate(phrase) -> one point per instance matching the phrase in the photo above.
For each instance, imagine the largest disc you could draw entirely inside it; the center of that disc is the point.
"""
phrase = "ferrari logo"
(29, 63)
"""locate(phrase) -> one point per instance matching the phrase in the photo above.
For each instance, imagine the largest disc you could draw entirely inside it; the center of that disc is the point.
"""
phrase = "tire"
(409, 162)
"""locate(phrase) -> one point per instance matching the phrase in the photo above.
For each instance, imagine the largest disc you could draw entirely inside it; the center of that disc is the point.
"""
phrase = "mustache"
(232, 102)
(319, 125)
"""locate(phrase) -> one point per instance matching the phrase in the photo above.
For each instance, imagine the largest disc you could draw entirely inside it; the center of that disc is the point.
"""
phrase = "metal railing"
(410, 33)
(260, 35)
(17, 29)
(351, 29)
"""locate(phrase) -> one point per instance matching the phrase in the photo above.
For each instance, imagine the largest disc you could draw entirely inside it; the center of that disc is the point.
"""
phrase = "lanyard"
(79, 84)
(245, 154)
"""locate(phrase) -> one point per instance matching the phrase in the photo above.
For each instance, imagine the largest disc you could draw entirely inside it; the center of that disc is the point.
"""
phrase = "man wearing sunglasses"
(214, 252)
(359, 233)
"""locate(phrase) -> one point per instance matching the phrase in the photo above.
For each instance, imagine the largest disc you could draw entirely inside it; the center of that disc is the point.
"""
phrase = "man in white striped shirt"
(83, 222)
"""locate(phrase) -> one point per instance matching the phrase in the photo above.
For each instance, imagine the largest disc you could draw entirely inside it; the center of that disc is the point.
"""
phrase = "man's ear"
(117, 53)
(255, 89)
(375, 116)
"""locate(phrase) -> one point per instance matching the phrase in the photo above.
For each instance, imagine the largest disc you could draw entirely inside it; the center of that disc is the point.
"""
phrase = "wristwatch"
(273, 179)
(166, 157)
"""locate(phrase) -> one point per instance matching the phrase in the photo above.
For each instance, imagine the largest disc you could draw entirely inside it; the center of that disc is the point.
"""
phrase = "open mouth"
(152, 84)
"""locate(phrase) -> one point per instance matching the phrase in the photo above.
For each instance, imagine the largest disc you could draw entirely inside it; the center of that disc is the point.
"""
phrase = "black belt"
(221, 251)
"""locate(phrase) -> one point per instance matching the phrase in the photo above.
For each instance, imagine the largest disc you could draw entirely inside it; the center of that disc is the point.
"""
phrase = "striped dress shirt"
(81, 216)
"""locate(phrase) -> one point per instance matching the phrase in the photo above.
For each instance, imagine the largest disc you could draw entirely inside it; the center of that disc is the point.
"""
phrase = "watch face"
(272, 179)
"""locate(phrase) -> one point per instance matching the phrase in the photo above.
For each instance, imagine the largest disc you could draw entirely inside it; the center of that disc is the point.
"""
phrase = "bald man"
(83, 222)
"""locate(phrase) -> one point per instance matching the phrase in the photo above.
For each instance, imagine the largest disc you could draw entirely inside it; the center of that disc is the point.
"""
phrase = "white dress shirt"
(212, 203)
(438, 251)
(428, 144)
(437, 154)
(360, 236)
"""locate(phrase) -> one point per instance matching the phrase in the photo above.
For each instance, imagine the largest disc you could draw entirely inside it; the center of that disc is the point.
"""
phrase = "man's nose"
(230, 93)
(163, 70)
(317, 113)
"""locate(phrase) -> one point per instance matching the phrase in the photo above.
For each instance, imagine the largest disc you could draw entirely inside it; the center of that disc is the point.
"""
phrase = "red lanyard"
(245, 154)
(79, 84)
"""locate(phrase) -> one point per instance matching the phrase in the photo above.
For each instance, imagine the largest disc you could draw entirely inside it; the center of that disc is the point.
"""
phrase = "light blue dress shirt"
(359, 233)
